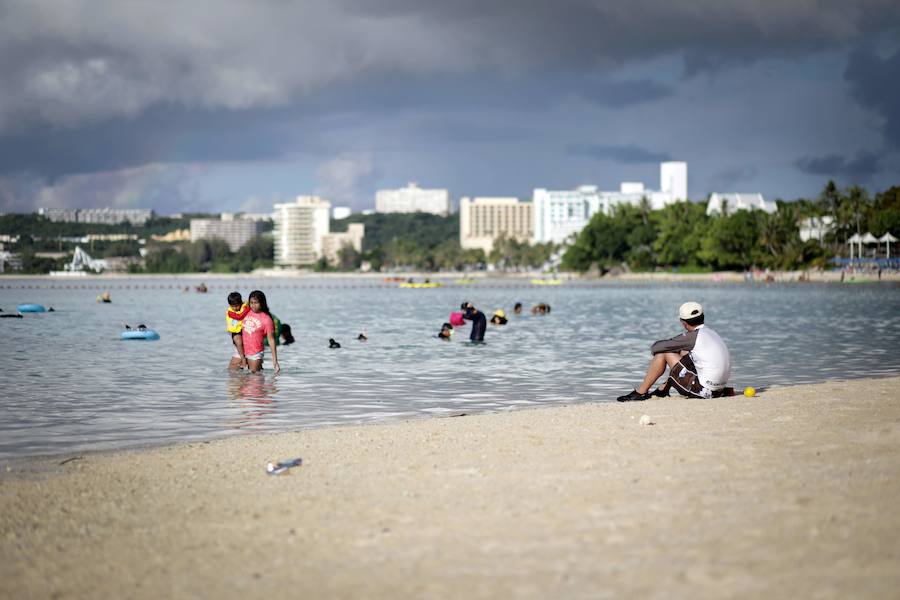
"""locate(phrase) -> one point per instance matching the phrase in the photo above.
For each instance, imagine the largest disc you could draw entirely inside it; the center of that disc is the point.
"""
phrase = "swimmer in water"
(479, 321)
(517, 309)
(287, 337)
(540, 309)
(446, 331)
(499, 317)
(332, 343)
(362, 336)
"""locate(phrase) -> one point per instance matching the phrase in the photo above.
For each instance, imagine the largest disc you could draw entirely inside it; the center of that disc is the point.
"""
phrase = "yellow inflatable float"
(407, 284)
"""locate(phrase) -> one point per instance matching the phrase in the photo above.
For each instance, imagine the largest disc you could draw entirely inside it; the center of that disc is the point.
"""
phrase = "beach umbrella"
(854, 239)
(867, 239)
(887, 238)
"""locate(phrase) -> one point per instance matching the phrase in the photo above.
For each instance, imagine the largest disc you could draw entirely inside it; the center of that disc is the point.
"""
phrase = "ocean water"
(71, 384)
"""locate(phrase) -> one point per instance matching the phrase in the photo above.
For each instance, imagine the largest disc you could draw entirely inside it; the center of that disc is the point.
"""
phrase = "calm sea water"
(71, 384)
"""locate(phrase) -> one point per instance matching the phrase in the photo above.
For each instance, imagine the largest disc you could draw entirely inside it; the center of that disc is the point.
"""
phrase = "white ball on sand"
(645, 420)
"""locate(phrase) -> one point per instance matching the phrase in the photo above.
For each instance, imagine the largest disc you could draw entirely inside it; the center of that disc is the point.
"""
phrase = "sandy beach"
(791, 494)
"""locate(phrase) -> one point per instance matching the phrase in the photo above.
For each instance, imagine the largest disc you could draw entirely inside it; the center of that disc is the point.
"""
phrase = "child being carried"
(234, 323)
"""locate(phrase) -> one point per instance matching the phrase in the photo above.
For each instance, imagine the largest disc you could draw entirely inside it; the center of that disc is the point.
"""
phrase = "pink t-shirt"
(256, 326)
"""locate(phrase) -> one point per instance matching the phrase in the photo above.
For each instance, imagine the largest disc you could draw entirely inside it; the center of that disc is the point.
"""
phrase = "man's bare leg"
(657, 367)
(255, 365)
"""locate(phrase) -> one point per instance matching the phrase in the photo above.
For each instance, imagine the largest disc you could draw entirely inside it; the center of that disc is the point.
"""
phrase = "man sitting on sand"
(698, 360)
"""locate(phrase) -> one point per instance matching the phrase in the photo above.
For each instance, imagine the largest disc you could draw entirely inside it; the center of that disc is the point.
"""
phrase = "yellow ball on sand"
(749, 392)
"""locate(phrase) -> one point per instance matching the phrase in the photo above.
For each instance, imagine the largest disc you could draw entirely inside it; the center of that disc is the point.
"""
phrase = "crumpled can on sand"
(282, 467)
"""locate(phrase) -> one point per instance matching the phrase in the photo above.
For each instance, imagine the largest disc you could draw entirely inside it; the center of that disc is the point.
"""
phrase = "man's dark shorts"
(683, 377)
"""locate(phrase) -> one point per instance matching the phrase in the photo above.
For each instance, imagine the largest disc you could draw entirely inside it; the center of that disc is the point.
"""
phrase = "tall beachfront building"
(412, 199)
(673, 182)
(299, 229)
(483, 220)
(235, 232)
(560, 214)
(672, 188)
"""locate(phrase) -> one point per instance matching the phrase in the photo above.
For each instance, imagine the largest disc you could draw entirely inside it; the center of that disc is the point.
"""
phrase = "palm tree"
(769, 234)
(830, 201)
(645, 209)
(855, 207)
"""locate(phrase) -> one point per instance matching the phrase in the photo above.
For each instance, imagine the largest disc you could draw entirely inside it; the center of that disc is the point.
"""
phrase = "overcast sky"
(207, 105)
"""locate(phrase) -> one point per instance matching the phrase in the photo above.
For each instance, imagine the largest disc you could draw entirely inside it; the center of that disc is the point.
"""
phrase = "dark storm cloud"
(620, 94)
(526, 92)
(620, 154)
(592, 31)
(875, 83)
(75, 62)
(726, 180)
(90, 86)
(173, 135)
(832, 166)
(441, 130)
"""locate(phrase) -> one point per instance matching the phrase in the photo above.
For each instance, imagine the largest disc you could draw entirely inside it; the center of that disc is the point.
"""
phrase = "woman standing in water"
(258, 326)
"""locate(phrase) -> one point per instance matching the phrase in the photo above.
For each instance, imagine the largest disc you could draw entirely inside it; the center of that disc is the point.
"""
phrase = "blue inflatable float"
(31, 308)
(140, 334)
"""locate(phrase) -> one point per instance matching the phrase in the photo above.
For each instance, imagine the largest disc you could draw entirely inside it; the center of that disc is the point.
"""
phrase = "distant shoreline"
(811, 276)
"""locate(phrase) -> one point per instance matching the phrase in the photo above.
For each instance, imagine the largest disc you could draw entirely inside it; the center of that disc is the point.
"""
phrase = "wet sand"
(793, 493)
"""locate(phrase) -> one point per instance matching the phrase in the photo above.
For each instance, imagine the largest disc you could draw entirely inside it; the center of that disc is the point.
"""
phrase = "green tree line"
(428, 242)
(421, 241)
(679, 236)
(683, 236)
(208, 255)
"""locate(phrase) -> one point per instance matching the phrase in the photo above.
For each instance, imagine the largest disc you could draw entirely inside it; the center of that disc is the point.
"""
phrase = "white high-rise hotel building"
(300, 227)
(559, 214)
(412, 199)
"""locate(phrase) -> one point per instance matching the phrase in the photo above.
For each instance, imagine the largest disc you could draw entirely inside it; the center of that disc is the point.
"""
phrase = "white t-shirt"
(712, 359)
(707, 350)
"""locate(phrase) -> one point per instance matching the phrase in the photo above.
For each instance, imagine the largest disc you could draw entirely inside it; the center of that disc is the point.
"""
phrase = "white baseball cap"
(690, 310)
